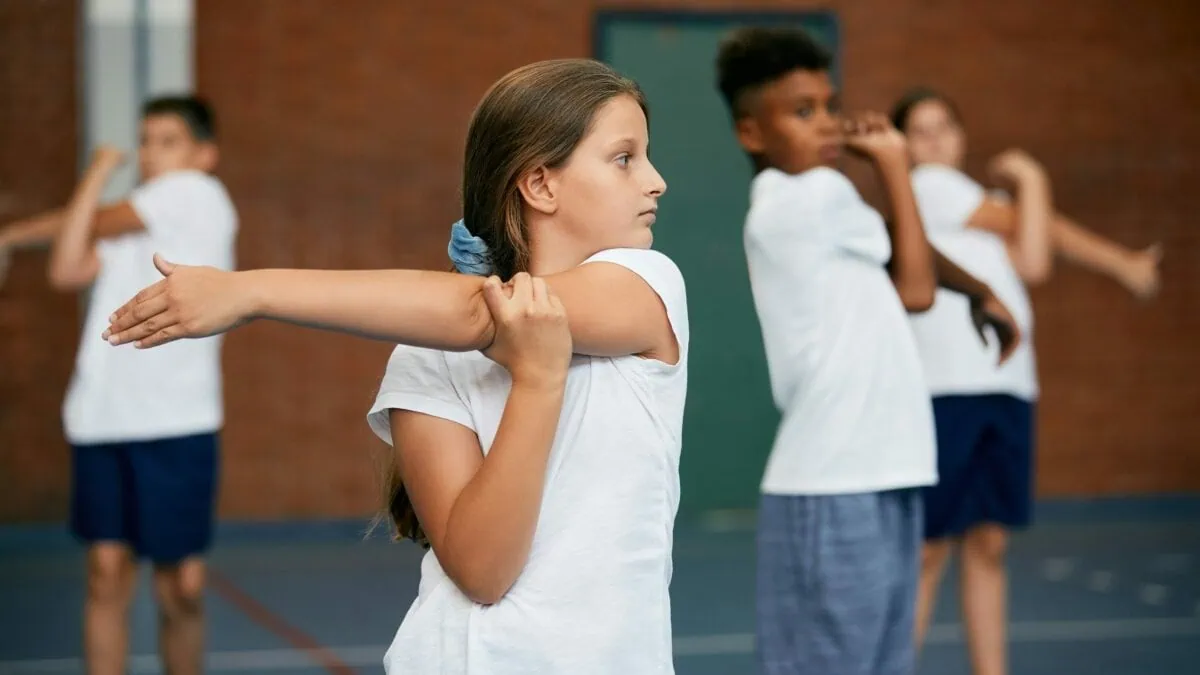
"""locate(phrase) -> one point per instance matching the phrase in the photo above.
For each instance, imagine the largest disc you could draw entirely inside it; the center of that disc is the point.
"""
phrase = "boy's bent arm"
(912, 263)
(952, 277)
(73, 261)
(38, 231)
(986, 308)
(32, 232)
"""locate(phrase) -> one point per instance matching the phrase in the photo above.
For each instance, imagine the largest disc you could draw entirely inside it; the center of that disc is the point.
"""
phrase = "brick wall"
(38, 328)
(343, 125)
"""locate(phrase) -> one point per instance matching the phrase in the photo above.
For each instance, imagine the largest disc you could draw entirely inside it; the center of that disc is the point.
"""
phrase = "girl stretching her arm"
(550, 545)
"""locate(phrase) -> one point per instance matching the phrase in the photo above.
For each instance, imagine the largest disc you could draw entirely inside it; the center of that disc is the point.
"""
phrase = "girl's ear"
(539, 189)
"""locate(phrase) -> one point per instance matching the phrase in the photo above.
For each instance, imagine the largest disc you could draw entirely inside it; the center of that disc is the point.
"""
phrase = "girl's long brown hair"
(533, 116)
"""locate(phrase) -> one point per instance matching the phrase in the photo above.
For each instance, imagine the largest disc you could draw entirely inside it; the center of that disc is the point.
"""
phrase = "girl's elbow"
(1037, 277)
(482, 574)
(485, 594)
(482, 585)
(478, 328)
(1036, 272)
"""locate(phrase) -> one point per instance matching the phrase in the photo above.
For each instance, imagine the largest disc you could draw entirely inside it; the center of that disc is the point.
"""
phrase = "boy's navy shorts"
(158, 496)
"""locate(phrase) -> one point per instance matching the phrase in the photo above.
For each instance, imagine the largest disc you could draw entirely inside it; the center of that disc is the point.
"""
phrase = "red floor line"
(276, 624)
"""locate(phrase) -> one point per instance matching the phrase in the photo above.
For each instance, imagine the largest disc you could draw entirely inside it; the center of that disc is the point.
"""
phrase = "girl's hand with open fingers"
(190, 302)
(533, 340)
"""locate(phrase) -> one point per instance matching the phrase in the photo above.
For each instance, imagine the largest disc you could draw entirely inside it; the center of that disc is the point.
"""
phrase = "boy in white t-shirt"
(143, 426)
(840, 517)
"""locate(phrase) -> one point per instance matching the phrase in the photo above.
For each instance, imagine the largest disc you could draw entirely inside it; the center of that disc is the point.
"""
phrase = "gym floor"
(1105, 587)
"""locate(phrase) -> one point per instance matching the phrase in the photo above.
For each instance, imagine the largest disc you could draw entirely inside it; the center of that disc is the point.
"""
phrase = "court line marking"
(264, 660)
(302, 642)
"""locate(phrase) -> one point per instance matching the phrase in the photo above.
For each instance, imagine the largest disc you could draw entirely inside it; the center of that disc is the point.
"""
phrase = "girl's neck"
(552, 249)
(544, 262)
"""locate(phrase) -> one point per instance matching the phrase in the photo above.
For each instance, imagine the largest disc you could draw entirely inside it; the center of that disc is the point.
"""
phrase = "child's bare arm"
(39, 231)
(612, 310)
(986, 308)
(73, 261)
(1136, 270)
(912, 263)
(1030, 242)
(480, 513)
(32, 232)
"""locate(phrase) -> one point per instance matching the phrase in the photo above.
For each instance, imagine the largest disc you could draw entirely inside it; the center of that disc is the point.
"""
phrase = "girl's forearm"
(437, 310)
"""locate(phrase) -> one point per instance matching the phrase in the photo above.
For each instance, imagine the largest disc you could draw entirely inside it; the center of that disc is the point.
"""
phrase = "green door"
(730, 420)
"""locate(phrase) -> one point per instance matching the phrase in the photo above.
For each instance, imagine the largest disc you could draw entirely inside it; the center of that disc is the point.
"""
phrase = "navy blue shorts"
(157, 496)
(837, 583)
(985, 453)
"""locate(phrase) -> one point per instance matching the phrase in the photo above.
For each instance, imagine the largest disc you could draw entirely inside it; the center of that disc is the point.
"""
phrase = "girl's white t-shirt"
(593, 597)
(954, 356)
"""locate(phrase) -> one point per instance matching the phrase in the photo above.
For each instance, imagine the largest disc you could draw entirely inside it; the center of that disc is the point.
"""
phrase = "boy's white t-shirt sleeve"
(946, 197)
(664, 278)
(185, 210)
(163, 203)
(819, 209)
(418, 380)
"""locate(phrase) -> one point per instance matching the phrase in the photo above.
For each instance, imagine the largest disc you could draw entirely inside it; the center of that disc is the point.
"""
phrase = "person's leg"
(1005, 497)
(180, 591)
(111, 577)
(984, 597)
(178, 479)
(101, 519)
(946, 505)
(935, 555)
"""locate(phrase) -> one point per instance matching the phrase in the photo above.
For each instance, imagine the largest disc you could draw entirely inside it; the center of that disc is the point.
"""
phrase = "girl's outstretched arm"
(613, 310)
(1136, 270)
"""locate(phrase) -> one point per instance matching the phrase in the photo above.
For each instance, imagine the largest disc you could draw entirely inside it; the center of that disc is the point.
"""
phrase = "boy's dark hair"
(916, 96)
(752, 57)
(193, 110)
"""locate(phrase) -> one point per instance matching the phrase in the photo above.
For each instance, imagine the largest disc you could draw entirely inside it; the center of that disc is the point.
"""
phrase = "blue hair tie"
(468, 252)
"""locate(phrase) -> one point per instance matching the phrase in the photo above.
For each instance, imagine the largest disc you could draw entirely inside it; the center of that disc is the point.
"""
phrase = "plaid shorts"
(836, 583)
